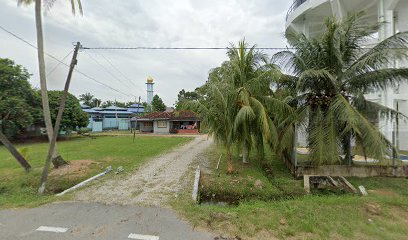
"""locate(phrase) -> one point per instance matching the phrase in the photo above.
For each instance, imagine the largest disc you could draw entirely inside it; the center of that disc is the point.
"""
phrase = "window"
(148, 124)
(161, 124)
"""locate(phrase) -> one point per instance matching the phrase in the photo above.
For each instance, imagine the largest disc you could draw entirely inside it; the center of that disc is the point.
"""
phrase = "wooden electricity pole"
(14, 152)
(44, 175)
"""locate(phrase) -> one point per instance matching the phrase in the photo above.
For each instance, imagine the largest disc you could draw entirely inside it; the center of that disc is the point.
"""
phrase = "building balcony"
(308, 16)
(294, 6)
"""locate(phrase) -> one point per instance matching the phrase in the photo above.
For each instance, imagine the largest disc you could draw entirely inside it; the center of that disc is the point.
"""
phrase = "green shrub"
(83, 130)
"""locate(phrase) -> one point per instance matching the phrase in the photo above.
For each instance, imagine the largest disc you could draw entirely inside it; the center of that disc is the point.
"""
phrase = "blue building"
(111, 117)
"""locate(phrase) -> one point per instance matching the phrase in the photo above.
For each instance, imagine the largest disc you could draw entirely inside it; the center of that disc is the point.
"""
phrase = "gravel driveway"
(152, 184)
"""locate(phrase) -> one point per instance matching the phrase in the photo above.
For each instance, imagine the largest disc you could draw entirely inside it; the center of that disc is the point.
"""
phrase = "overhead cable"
(61, 62)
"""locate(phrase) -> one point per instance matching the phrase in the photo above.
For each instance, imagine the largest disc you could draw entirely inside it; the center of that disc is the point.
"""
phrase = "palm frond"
(376, 79)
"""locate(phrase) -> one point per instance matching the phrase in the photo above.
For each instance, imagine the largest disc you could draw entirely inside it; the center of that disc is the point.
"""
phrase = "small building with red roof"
(184, 121)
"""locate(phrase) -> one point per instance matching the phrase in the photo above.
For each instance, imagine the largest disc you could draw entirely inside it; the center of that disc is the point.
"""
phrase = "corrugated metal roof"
(115, 108)
(116, 112)
(176, 115)
(136, 105)
(136, 110)
(84, 106)
(90, 111)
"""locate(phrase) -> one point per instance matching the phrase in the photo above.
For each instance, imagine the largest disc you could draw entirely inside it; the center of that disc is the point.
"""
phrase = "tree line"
(91, 101)
(20, 103)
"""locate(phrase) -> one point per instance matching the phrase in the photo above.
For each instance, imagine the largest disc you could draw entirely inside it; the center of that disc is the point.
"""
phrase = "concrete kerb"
(351, 171)
(196, 185)
(108, 169)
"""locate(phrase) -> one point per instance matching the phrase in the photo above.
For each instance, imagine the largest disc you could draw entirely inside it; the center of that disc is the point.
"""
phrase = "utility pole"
(44, 175)
(138, 108)
(13, 151)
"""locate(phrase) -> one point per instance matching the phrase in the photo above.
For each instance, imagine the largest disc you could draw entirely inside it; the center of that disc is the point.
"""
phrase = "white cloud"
(155, 23)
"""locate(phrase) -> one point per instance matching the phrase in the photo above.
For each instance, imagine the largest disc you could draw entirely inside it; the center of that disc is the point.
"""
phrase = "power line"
(117, 69)
(61, 62)
(105, 68)
(110, 73)
(58, 63)
(179, 48)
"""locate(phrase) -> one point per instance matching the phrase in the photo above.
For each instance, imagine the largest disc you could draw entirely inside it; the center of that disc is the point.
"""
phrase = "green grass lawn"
(383, 214)
(18, 188)
(266, 180)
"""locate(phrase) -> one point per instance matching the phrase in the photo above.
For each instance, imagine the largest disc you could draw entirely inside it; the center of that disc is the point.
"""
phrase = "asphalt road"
(79, 220)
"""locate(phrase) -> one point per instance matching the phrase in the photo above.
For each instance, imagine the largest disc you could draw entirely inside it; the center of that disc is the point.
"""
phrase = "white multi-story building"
(308, 16)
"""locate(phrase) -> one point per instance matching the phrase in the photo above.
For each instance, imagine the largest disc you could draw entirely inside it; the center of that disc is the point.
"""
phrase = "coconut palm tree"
(57, 160)
(250, 76)
(328, 77)
(217, 112)
(86, 98)
(236, 104)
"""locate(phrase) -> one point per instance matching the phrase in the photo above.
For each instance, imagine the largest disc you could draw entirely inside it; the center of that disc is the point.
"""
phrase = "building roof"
(136, 110)
(176, 115)
(90, 110)
(84, 106)
(136, 105)
(116, 112)
(113, 107)
(103, 111)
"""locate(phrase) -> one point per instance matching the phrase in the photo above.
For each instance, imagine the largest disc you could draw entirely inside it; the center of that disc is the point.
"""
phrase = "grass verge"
(18, 188)
(383, 214)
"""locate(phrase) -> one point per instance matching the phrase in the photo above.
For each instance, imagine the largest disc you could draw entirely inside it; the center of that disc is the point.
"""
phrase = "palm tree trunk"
(51, 149)
(230, 167)
(57, 160)
(245, 152)
(347, 149)
(14, 152)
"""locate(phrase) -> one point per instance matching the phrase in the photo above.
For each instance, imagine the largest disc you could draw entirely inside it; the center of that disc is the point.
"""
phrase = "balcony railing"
(296, 4)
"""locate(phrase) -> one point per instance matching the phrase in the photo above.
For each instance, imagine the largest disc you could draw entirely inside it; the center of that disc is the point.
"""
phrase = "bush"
(83, 130)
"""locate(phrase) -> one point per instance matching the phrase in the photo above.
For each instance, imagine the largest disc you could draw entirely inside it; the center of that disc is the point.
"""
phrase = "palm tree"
(328, 77)
(56, 159)
(251, 76)
(217, 112)
(86, 98)
(96, 102)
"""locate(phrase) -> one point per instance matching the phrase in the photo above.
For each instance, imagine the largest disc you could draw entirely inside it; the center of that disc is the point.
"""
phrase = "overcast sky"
(133, 23)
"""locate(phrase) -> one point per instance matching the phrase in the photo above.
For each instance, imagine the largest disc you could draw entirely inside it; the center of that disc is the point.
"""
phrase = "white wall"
(162, 130)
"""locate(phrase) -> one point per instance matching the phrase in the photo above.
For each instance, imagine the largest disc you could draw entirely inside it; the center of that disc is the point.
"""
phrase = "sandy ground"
(152, 184)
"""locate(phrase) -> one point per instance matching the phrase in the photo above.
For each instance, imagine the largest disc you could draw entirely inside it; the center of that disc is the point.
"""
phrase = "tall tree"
(107, 103)
(96, 102)
(217, 113)
(87, 99)
(158, 104)
(73, 117)
(250, 76)
(185, 96)
(17, 106)
(329, 76)
(19, 102)
(56, 159)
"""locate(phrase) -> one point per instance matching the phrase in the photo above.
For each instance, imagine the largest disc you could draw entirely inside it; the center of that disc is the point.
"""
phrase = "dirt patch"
(384, 192)
(77, 168)
(373, 208)
(399, 213)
